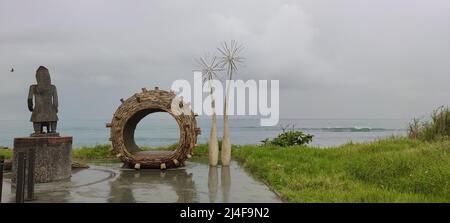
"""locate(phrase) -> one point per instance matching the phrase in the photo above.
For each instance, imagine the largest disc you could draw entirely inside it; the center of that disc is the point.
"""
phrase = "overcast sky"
(334, 59)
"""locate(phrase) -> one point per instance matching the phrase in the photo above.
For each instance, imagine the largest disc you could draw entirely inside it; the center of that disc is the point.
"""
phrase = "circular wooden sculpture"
(133, 110)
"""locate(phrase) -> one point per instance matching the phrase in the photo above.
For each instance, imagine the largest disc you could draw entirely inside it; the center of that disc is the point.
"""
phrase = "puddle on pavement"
(194, 183)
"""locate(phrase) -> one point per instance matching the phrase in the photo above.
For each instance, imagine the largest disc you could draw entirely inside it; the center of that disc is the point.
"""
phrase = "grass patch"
(99, 153)
(7, 153)
(201, 154)
(391, 170)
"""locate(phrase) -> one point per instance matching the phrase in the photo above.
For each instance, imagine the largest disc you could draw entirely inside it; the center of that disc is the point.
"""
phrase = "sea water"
(162, 130)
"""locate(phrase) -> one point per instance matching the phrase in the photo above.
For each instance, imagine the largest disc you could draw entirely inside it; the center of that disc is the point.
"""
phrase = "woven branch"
(133, 110)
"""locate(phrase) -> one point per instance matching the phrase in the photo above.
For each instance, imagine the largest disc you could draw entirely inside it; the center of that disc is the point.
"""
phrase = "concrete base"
(53, 157)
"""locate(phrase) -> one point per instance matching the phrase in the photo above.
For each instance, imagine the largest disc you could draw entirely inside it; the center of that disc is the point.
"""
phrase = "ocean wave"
(348, 129)
(318, 129)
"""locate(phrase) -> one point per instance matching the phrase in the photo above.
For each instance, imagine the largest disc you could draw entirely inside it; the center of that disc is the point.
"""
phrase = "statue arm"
(55, 98)
(30, 98)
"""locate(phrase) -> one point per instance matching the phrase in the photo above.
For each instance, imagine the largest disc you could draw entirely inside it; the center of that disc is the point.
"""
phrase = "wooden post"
(2, 161)
(20, 177)
(31, 157)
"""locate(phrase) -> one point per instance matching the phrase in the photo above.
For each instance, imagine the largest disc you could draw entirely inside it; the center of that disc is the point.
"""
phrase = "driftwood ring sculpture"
(133, 110)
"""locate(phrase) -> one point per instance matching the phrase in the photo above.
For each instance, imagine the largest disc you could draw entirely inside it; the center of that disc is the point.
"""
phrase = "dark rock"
(76, 165)
(7, 165)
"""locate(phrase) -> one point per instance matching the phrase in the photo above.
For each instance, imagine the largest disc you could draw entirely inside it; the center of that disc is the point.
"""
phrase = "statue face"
(43, 77)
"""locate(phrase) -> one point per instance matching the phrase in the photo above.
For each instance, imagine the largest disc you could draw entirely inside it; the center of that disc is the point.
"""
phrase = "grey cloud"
(334, 59)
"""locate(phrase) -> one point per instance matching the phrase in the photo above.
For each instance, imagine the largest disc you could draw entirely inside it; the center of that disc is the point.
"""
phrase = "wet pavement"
(194, 183)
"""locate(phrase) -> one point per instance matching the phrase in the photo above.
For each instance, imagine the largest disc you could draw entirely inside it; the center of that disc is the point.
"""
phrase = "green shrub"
(438, 128)
(290, 138)
(7, 153)
(101, 151)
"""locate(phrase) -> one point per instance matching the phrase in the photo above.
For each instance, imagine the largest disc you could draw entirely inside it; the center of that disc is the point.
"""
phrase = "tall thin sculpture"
(209, 69)
(230, 59)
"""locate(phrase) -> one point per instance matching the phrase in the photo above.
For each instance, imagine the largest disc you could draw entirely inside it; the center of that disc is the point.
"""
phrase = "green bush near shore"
(437, 128)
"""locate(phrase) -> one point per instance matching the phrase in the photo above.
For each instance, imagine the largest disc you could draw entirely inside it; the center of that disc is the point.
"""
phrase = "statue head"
(43, 78)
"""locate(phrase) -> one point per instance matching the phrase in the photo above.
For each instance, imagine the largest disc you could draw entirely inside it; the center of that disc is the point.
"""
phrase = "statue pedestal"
(53, 157)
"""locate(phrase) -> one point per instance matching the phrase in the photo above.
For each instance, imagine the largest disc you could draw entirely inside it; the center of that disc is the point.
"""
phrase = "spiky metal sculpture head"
(209, 68)
(230, 56)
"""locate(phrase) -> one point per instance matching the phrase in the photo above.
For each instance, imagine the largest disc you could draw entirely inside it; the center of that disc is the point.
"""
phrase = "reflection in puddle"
(154, 186)
(194, 183)
(213, 181)
(226, 183)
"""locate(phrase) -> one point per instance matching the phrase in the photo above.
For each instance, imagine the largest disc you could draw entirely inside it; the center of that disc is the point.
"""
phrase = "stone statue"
(44, 112)
(50, 153)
